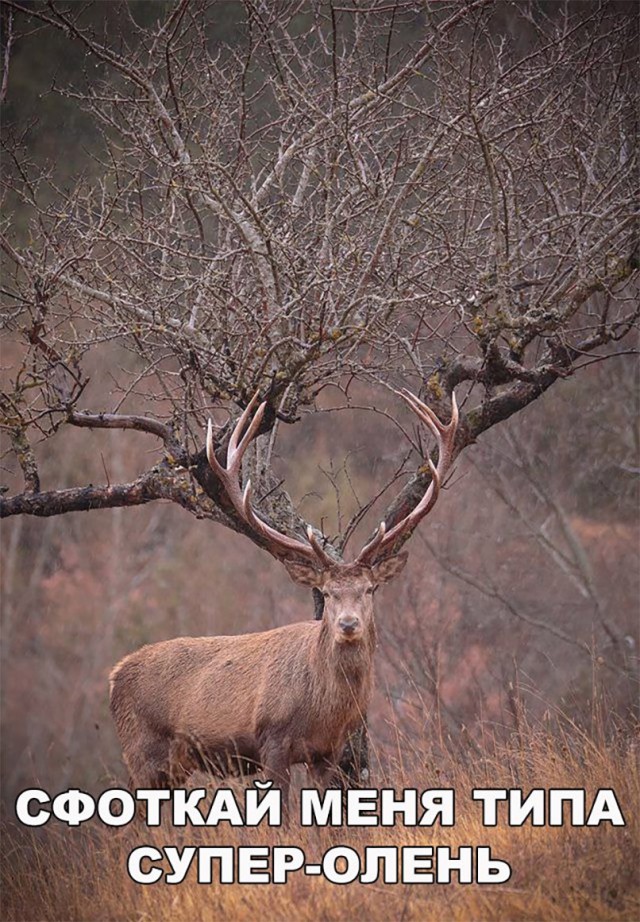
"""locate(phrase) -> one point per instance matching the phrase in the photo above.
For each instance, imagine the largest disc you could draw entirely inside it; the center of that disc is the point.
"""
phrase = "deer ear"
(388, 569)
(303, 573)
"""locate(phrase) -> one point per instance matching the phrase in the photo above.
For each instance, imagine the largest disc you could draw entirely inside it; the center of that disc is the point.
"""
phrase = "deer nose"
(348, 624)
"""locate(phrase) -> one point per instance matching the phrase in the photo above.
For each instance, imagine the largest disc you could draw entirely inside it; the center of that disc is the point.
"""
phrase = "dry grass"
(565, 873)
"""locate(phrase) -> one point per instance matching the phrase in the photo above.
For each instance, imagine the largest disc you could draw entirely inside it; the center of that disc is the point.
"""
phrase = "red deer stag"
(268, 700)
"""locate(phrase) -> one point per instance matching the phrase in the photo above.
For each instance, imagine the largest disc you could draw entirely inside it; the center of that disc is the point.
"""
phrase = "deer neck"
(346, 664)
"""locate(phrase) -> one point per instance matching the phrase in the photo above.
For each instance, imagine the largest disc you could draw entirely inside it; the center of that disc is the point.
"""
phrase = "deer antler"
(282, 544)
(445, 437)
(229, 475)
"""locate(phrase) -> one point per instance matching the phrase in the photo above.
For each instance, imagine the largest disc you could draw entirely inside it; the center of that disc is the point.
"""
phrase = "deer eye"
(325, 594)
(370, 590)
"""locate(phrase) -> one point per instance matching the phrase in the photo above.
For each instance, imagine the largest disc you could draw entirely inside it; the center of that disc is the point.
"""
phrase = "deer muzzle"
(350, 626)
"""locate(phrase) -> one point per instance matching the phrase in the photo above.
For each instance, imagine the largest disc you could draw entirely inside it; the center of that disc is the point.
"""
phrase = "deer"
(267, 701)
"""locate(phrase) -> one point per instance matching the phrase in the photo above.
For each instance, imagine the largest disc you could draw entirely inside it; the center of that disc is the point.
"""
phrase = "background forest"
(519, 605)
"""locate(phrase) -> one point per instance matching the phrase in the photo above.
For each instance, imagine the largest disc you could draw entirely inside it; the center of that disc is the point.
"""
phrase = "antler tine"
(421, 409)
(313, 551)
(318, 550)
(427, 415)
(445, 437)
(373, 545)
(239, 427)
(444, 432)
(235, 452)
(241, 501)
(254, 425)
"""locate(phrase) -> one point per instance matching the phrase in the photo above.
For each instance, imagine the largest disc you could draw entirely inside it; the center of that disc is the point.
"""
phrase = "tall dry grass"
(559, 873)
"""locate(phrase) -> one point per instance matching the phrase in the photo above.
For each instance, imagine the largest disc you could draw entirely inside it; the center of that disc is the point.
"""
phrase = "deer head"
(347, 591)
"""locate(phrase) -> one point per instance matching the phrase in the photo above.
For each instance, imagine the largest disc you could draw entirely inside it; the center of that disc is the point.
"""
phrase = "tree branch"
(83, 499)
(139, 423)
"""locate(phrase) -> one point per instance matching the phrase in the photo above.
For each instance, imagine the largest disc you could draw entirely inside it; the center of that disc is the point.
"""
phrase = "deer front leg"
(354, 761)
(326, 772)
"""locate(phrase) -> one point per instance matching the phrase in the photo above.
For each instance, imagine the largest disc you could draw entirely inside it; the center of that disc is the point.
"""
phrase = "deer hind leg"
(162, 762)
(149, 763)
(184, 759)
(276, 764)
(149, 766)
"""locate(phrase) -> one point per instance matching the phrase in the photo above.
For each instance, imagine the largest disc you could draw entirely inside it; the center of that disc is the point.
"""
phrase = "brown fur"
(267, 700)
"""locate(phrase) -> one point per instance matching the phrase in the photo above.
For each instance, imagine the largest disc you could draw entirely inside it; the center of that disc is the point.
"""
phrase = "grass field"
(559, 873)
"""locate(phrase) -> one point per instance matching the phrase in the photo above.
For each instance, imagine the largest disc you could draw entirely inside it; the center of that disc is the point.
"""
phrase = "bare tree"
(427, 195)
(390, 194)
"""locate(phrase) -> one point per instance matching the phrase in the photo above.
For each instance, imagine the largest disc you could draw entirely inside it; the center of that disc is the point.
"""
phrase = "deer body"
(272, 699)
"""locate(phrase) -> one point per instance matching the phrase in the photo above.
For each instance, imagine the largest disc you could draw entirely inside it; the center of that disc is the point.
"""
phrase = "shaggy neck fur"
(346, 669)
